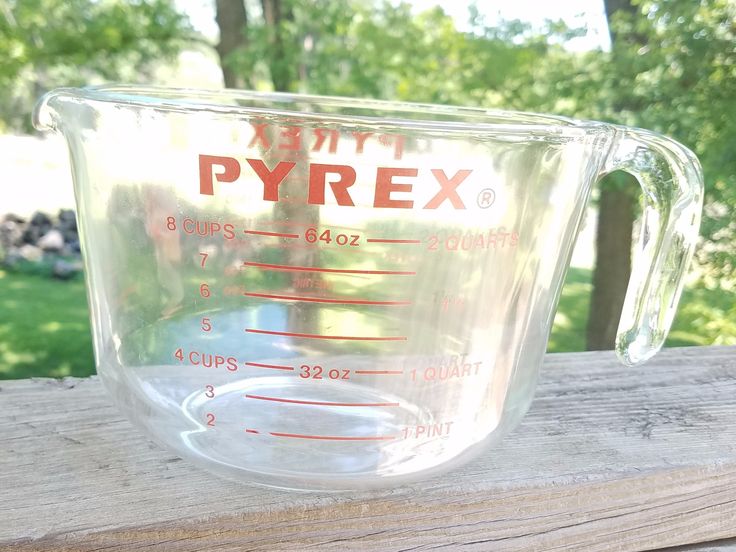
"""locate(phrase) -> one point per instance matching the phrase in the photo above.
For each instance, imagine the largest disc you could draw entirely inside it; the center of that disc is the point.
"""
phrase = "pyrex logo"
(388, 192)
(391, 187)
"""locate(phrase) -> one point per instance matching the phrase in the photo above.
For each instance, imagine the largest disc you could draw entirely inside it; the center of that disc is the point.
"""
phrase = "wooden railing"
(608, 458)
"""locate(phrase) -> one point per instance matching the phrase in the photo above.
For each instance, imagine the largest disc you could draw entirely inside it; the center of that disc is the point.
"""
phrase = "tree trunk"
(232, 21)
(612, 266)
(613, 235)
(283, 73)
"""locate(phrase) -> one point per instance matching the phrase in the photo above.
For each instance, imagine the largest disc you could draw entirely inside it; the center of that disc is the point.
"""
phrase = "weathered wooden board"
(609, 458)
(725, 545)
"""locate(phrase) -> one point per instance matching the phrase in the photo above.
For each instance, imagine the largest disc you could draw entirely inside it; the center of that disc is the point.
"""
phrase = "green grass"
(568, 332)
(44, 327)
(706, 316)
(44, 324)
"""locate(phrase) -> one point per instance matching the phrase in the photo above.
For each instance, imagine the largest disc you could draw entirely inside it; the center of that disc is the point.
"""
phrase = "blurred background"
(666, 65)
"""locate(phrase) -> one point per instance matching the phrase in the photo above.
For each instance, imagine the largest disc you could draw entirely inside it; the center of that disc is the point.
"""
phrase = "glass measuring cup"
(324, 293)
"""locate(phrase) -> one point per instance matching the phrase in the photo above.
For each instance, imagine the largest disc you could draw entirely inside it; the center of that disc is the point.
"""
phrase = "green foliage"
(682, 82)
(673, 70)
(385, 50)
(48, 43)
(706, 316)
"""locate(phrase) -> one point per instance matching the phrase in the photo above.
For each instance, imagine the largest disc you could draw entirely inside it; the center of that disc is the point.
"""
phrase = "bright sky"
(589, 14)
(576, 13)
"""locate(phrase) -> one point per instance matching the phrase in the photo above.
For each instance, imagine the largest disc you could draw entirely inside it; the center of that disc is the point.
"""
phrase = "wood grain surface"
(609, 458)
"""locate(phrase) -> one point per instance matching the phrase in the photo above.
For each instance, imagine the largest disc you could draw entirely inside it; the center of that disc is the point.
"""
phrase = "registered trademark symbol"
(486, 197)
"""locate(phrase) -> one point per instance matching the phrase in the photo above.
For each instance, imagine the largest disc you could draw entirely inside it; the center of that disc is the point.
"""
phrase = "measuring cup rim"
(204, 100)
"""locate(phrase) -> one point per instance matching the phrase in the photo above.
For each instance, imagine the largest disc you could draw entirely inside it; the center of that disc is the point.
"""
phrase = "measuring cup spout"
(47, 113)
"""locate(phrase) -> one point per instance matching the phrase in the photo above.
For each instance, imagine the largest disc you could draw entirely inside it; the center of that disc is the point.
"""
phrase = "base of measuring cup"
(310, 443)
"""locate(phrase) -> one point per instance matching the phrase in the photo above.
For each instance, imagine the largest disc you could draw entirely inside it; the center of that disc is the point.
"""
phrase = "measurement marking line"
(335, 300)
(334, 437)
(316, 403)
(380, 372)
(273, 366)
(322, 336)
(290, 268)
(382, 240)
(252, 431)
(276, 234)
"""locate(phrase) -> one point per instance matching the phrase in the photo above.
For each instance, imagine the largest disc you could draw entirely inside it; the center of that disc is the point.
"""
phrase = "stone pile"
(41, 240)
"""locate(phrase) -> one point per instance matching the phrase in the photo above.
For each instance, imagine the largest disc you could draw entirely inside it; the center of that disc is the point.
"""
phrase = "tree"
(594, 85)
(232, 20)
(616, 209)
(48, 43)
(672, 69)
(282, 41)
(685, 87)
(381, 50)
(271, 39)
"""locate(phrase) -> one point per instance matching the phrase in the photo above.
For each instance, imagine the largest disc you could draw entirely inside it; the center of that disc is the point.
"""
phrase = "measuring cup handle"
(672, 181)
